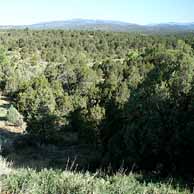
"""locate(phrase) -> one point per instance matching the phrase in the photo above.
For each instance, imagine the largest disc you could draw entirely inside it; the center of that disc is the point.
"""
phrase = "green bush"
(65, 182)
(14, 117)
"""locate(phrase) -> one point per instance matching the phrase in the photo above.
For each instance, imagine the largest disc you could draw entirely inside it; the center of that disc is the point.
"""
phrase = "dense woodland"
(130, 95)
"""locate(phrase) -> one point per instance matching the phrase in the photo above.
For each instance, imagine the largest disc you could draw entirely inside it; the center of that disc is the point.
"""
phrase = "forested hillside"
(128, 95)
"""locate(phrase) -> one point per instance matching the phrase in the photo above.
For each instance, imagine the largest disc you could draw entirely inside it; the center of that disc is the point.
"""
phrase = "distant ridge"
(106, 25)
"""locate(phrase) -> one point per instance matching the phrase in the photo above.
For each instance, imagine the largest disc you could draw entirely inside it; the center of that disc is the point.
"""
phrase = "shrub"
(66, 182)
(14, 117)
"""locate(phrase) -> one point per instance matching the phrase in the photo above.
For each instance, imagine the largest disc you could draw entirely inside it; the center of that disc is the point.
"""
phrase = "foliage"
(155, 115)
(50, 181)
(14, 117)
(130, 93)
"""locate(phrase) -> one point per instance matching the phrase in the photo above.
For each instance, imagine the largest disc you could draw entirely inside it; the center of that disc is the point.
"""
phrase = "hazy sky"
(134, 11)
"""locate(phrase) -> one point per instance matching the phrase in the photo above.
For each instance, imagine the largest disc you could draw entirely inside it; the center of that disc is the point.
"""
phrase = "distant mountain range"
(106, 25)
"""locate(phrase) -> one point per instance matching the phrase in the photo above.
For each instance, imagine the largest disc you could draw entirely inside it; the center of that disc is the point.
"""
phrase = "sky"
(19, 12)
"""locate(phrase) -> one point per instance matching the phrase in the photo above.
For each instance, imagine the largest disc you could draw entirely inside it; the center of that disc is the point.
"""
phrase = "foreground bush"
(58, 182)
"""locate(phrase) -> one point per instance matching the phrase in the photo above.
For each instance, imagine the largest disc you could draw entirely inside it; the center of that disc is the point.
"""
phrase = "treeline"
(130, 94)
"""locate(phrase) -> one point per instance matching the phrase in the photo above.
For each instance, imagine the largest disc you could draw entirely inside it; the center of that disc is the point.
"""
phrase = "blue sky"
(17, 12)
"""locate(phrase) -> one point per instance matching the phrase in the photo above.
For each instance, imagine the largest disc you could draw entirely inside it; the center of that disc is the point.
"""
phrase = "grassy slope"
(27, 181)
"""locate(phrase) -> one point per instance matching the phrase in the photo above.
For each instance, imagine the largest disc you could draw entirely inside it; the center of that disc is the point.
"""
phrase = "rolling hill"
(106, 25)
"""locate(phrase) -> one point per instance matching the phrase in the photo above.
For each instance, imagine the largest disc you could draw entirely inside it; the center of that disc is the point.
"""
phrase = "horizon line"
(106, 20)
